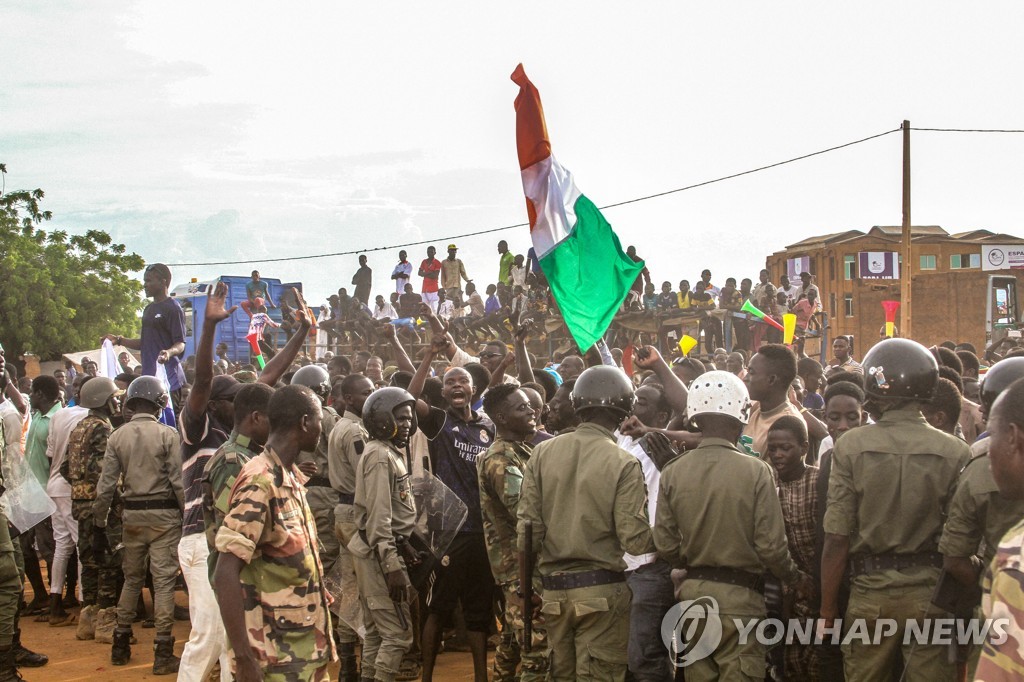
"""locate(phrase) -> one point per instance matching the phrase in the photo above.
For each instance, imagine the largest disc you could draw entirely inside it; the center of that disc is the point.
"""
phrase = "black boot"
(24, 658)
(121, 651)
(349, 671)
(164, 660)
(8, 670)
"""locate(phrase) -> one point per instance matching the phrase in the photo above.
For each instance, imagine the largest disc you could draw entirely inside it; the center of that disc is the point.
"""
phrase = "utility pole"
(908, 266)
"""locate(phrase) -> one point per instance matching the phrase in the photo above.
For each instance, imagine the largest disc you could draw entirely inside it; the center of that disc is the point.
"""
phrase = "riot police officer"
(890, 482)
(385, 514)
(586, 500)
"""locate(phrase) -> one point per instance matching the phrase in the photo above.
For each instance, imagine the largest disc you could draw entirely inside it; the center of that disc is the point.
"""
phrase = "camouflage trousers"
(509, 653)
(101, 575)
(311, 672)
(344, 529)
(10, 585)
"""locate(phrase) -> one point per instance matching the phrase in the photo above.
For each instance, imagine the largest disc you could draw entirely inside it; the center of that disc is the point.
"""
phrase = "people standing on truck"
(363, 281)
(256, 288)
(163, 331)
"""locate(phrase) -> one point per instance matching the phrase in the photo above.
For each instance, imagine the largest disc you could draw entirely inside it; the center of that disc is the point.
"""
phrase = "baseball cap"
(224, 387)
(452, 246)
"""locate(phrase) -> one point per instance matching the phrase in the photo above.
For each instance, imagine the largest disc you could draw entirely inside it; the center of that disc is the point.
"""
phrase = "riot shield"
(346, 606)
(24, 500)
(439, 513)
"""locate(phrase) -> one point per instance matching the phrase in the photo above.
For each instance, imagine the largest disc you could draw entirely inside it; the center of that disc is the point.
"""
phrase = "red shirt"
(430, 265)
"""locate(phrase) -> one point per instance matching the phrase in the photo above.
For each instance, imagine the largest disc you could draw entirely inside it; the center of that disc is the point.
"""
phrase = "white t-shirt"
(13, 429)
(61, 426)
(652, 479)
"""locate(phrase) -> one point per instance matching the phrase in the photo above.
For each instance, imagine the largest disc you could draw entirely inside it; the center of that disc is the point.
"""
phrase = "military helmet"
(603, 386)
(315, 378)
(719, 392)
(379, 412)
(998, 379)
(147, 388)
(900, 368)
(97, 391)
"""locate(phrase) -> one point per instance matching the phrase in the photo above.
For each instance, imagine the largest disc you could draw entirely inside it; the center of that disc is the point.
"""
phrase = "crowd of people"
(520, 292)
(288, 500)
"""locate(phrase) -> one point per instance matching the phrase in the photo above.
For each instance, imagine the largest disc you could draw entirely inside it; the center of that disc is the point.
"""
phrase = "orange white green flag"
(580, 255)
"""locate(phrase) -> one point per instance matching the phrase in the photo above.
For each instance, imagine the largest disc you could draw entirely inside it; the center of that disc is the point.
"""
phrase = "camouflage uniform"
(384, 509)
(219, 477)
(144, 455)
(269, 526)
(322, 498)
(345, 447)
(1003, 597)
(87, 444)
(501, 478)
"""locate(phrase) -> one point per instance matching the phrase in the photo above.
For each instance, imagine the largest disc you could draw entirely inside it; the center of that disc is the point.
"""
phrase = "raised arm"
(401, 357)
(438, 329)
(648, 357)
(280, 363)
(215, 313)
(437, 345)
(523, 366)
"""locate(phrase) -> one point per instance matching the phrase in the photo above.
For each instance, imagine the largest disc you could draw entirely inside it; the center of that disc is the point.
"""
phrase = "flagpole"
(908, 266)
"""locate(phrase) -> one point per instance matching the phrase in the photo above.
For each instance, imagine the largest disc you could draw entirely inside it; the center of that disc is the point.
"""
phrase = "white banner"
(1002, 257)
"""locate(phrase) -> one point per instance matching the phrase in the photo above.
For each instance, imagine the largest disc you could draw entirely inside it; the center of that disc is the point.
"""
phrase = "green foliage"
(60, 292)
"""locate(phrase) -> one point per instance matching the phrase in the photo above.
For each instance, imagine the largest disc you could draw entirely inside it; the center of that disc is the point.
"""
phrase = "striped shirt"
(799, 500)
(200, 438)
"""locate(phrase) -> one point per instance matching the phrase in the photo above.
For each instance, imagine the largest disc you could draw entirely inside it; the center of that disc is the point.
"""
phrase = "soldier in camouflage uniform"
(1003, 585)
(385, 511)
(501, 478)
(321, 496)
(345, 447)
(269, 579)
(143, 455)
(245, 442)
(101, 572)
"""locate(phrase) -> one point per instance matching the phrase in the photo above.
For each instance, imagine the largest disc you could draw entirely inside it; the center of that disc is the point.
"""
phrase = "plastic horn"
(687, 343)
(788, 327)
(751, 309)
(255, 345)
(890, 317)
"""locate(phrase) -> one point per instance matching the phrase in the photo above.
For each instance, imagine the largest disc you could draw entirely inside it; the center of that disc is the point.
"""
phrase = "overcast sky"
(199, 131)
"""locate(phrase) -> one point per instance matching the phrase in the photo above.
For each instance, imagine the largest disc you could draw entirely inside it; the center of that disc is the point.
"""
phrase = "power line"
(968, 130)
(509, 227)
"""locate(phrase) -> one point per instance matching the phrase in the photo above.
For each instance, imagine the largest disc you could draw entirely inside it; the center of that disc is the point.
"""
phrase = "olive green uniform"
(344, 448)
(587, 502)
(890, 484)
(144, 454)
(739, 529)
(321, 497)
(384, 509)
(978, 518)
(501, 480)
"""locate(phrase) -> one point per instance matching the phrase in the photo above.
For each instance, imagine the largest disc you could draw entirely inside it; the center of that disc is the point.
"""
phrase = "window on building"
(848, 303)
(927, 262)
(849, 267)
(831, 268)
(963, 261)
(832, 305)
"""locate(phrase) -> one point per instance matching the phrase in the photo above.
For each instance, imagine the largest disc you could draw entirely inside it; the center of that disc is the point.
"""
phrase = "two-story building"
(950, 279)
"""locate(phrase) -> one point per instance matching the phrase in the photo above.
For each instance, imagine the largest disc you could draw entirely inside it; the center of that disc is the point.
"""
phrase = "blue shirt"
(454, 447)
(492, 305)
(163, 325)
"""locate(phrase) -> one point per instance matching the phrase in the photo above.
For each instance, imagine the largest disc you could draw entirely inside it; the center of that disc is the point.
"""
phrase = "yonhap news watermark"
(692, 630)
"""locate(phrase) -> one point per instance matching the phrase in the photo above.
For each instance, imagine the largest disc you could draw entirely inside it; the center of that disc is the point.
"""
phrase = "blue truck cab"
(232, 331)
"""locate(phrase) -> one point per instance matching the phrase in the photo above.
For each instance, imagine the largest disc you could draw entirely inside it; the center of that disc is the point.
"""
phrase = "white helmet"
(718, 392)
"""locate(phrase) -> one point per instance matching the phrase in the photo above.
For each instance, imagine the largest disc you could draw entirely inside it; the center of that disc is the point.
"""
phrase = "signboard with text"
(1002, 257)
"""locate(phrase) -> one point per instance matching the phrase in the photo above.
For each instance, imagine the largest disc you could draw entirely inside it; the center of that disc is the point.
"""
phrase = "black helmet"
(998, 379)
(147, 388)
(315, 378)
(603, 386)
(900, 368)
(379, 412)
(97, 391)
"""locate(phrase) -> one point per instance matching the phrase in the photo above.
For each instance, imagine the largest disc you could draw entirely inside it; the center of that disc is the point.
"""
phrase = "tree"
(60, 292)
